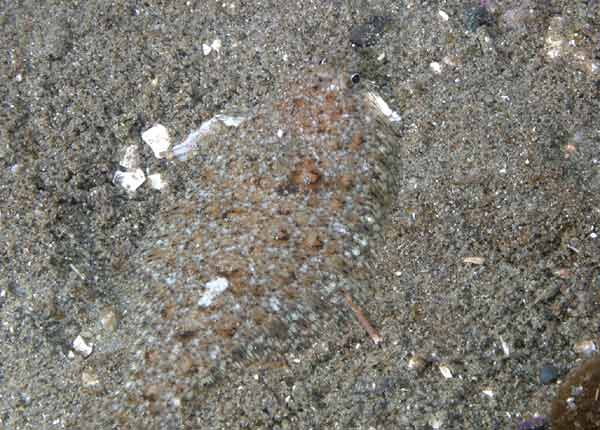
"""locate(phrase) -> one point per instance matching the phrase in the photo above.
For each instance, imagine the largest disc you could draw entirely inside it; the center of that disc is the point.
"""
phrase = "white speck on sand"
(212, 290)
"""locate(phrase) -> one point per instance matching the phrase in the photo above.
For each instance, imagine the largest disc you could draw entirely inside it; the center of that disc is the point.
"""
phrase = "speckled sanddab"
(269, 241)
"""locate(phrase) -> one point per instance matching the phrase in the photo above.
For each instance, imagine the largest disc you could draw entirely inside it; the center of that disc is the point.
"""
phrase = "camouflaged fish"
(251, 261)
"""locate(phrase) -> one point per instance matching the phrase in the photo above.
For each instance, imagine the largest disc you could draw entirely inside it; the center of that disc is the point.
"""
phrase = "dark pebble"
(548, 374)
(368, 34)
(477, 17)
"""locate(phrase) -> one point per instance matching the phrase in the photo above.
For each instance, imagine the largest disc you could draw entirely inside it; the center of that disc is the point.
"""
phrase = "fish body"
(248, 265)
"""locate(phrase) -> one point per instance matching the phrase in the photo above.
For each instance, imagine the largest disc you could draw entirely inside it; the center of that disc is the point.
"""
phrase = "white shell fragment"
(109, 319)
(378, 103)
(130, 158)
(82, 347)
(212, 290)
(435, 67)
(156, 181)
(131, 181)
(488, 392)
(157, 137)
(474, 260)
(191, 142)
(214, 46)
(417, 363)
(505, 347)
(586, 348)
(445, 371)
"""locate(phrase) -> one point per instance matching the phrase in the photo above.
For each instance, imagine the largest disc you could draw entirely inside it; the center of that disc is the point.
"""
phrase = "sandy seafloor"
(501, 161)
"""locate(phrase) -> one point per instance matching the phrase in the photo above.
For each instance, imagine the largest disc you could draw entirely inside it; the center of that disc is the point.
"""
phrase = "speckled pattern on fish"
(280, 225)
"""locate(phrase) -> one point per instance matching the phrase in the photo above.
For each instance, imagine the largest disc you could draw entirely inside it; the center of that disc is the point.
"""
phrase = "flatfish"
(254, 258)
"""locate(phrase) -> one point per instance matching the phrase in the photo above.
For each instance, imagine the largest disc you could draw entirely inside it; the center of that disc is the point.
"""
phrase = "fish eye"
(355, 78)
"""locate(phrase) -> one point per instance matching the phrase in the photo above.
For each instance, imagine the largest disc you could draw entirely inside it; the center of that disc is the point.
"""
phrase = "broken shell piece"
(214, 46)
(109, 319)
(212, 290)
(505, 347)
(130, 158)
(435, 67)
(474, 260)
(82, 347)
(586, 348)
(445, 371)
(157, 137)
(488, 392)
(380, 105)
(182, 150)
(131, 181)
(156, 181)
(417, 363)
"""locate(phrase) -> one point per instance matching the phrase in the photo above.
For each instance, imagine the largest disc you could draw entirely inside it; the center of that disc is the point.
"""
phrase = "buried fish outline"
(268, 243)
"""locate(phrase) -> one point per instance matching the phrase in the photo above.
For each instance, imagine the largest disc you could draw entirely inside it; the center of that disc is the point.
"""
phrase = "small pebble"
(109, 319)
(417, 363)
(477, 17)
(548, 374)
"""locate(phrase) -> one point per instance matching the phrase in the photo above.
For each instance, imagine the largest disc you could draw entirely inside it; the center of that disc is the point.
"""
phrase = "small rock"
(548, 374)
(109, 319)
(417, 363)
(477, 17)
